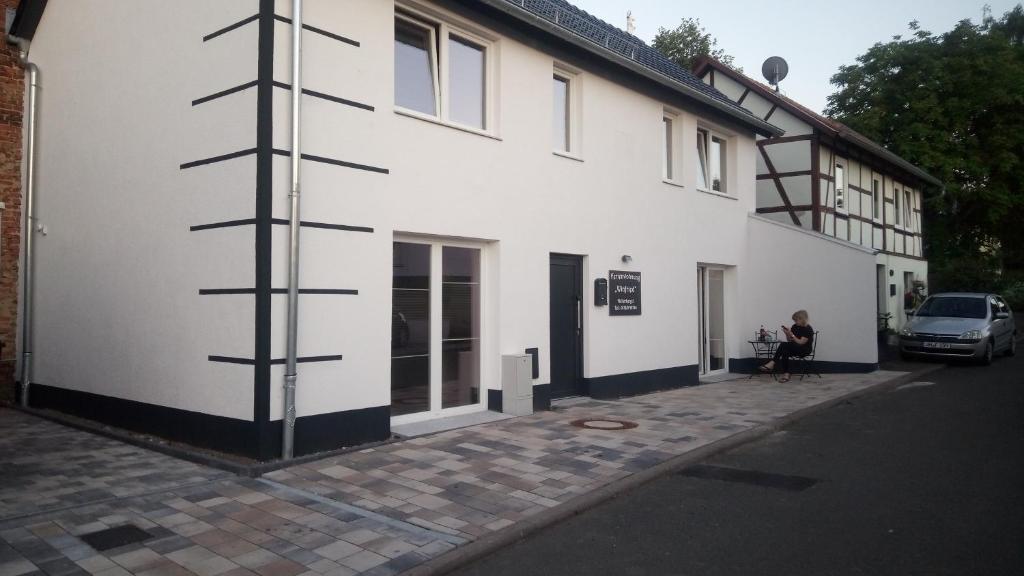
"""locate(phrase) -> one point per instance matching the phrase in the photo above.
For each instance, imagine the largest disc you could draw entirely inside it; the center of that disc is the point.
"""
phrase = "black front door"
(566, 325)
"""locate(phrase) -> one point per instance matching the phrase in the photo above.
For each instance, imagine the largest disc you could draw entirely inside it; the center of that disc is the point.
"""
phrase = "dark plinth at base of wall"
(647, 381)
(318, 433)
(334, 430)
(541, 398)
(218, 433)
(748, 365)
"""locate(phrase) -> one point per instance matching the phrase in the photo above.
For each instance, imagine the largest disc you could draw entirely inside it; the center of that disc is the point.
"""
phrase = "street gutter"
(463, 555)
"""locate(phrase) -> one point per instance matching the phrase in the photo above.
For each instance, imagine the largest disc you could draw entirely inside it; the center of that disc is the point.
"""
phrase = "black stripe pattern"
(312, 291)
(216, 159)
(280, 222)
(251, 362)
(335, 162)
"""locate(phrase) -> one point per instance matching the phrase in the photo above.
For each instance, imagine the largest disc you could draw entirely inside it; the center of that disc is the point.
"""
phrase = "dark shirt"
(803, 332)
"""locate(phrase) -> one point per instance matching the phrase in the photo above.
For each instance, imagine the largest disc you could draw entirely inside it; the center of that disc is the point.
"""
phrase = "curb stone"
(466, 554)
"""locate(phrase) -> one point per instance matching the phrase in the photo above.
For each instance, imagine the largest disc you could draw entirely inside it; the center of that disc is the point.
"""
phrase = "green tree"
(953, 104)
(687, 42)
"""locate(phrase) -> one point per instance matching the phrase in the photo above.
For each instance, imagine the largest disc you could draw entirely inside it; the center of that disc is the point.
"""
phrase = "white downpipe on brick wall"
(290, 373)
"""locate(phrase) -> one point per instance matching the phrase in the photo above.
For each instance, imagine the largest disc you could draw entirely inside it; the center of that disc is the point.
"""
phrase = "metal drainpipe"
(32, 72)
(290, 372)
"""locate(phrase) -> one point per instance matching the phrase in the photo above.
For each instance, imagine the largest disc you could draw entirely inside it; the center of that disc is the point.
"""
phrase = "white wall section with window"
(444, 71)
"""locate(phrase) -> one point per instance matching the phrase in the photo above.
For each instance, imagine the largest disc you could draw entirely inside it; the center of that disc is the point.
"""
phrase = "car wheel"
(986, 359)
(1012, 350)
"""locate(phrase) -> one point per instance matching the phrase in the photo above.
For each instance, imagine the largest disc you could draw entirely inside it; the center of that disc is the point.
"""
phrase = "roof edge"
(26, 18)
(819, 122)
(759, 125)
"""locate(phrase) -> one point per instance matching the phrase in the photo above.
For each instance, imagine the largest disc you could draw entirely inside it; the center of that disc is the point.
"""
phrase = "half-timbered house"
(823, 176)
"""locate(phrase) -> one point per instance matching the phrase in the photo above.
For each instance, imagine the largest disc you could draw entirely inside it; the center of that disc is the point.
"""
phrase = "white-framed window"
(565, 111)
(908, 210)
(840, 188)
(668, 147)
(442, 72)
(876, 199)
(712, 150)
(897, 206)
(561, 112)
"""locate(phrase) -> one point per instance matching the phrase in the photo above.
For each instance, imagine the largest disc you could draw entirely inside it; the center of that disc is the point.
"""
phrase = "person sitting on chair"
(800, 337)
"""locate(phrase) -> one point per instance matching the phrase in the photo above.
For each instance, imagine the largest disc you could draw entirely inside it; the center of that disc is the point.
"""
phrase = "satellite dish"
(774, 71)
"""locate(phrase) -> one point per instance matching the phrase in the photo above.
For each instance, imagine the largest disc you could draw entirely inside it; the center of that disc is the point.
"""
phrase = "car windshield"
(953, 307)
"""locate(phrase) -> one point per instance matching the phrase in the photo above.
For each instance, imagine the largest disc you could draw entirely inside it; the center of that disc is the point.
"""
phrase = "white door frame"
(436, 325)
(703, 343)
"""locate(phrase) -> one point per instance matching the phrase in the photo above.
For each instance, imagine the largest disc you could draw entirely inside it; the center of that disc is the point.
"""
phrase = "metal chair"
(803, 365)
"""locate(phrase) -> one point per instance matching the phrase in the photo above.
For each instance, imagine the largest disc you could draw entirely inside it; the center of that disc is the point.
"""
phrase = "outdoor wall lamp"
(626, 258)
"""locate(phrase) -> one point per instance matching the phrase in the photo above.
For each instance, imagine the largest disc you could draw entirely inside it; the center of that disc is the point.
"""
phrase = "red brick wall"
(12, 90)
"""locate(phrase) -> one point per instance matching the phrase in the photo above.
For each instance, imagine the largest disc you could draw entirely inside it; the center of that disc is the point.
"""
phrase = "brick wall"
(12, 90)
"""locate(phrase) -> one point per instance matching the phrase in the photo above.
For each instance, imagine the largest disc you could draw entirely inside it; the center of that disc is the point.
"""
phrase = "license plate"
(939, 345)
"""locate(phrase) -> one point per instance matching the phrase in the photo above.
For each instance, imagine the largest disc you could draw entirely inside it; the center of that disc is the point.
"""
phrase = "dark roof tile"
(579, 22)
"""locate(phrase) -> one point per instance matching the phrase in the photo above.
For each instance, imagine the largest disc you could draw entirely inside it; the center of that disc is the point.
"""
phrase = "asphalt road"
(922, 480)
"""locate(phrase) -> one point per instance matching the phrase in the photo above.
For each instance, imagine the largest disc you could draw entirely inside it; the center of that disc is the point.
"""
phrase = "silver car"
(960, 325)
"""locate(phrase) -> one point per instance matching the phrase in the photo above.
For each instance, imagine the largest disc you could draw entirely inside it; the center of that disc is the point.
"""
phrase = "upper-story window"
(441, 72)
(898, 214)
(565, 111)
(876, 199)
(840, 188)
(667, 153)
(908, 210)
(561, 113)
(711, 155)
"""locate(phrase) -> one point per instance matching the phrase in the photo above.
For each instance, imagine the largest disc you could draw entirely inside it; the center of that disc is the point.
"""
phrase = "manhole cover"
(115, 537)
(604, 424)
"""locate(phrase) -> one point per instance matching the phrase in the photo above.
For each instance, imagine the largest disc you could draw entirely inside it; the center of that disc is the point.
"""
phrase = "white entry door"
(711, 320)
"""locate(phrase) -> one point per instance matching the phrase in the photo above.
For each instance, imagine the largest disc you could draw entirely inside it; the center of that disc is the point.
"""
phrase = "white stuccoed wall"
(793, 269)
(509, 192)
(117, 309)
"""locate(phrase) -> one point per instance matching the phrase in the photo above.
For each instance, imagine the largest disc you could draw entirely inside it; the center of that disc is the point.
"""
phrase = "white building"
(471, 172)
(862, 193)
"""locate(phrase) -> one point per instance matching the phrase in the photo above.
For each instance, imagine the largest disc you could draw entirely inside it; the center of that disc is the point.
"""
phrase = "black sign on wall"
(623, 293)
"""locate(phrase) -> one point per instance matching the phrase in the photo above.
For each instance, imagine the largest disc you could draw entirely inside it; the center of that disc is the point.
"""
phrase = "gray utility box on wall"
(517, 384)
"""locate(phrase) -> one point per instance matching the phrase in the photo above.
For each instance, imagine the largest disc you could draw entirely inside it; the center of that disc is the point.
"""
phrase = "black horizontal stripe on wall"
(324, 225)
(310, 359)
(315, 30)
(280, 222)
(231, 27)
(225, 224)
(324, 96)
(314, 291)
(231, 360)
(334, 162)
(220, 158)
(223, 93)
(251, 362)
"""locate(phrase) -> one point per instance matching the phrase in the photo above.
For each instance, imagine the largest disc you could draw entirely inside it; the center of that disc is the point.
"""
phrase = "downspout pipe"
(32, 77)
(291, 353)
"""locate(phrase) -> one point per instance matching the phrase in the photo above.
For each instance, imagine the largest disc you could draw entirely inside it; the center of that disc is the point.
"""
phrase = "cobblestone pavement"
(377, 511)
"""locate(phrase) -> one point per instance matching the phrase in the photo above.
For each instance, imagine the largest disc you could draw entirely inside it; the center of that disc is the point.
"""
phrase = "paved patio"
(377, 511)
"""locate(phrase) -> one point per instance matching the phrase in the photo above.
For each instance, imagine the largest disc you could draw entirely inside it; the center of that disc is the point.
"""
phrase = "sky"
(814, 38)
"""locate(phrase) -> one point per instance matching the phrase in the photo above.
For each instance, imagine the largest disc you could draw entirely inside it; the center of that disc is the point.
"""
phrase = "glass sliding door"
(711, 320)
(460, 331)
(410, 328)
(435, 330)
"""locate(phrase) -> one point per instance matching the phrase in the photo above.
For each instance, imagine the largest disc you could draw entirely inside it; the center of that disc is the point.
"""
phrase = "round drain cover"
(604, 424)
